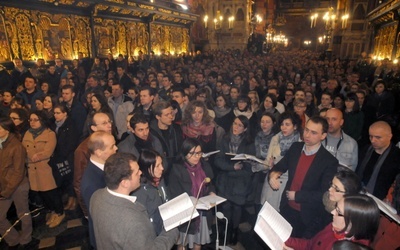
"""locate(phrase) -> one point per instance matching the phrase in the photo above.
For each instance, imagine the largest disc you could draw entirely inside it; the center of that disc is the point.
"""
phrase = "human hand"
(287, 248)
(274, 180)
(238, 165)
(290, 195)
(36, 157)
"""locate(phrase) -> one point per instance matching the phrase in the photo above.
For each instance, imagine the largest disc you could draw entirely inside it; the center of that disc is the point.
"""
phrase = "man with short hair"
(77, 111)
(140, 138)
(123, 78)
(99, 122)
(169, 134)
(146, 96)
(311, 169)
(165, 92)
(379, 162)
(101, 145)
(19, 73)
(121, 105)
(119, 221)
(339, 144)
(30, 94)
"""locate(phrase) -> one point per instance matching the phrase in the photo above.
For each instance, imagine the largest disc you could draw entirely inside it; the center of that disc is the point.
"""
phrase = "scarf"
(59, 124)
(203, 132)
(234, 142)
(197, 176)
(220, 112)
(341, 235)
(262, 142)
(247, 113)
(142, 144)
(286, 141)
(36, 132)
(370, 186)
(156, 181)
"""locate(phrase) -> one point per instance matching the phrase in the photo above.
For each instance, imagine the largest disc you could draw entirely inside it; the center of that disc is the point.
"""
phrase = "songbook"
(208, 202)
(386, 208)
(245, 157)
(205, 155)
(177, 211)
(273, 229)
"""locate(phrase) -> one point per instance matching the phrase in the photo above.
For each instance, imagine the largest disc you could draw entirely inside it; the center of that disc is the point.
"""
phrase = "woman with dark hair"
(49, 102)
(40, 142)
(243, 107)
(353, 117)
(14, 185)
(18, 102)
(269, 105)
(223, 113)
(63, 157)
(153, 191)
(338, 101)
(235, 179)
(188, 175)
(39, 103)
(290, 132)
(383, 99)
(197, 123)
(355, 218)
(19, 117)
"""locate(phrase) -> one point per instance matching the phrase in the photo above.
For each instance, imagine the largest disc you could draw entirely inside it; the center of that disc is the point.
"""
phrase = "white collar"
(128, 197)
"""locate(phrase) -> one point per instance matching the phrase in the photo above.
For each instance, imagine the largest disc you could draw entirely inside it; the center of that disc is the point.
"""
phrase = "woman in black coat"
(234, 179)
(63, 157)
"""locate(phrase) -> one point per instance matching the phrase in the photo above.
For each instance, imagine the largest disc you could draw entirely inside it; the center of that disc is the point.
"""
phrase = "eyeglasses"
(197, 154)
(103, 123)
(14, 118)
(339, 213)
(337, 190)
(33, 120)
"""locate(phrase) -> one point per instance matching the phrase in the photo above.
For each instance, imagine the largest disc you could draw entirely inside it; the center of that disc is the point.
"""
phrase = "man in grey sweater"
(119, 221)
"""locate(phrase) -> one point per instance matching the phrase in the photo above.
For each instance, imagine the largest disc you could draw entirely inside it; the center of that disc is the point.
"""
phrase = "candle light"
(205, 21)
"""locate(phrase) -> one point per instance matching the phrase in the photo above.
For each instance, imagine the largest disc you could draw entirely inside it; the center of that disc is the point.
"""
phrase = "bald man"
(379, 162)
(338, 143)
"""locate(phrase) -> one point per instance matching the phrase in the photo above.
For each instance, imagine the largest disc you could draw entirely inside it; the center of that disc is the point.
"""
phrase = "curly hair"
(189, 110)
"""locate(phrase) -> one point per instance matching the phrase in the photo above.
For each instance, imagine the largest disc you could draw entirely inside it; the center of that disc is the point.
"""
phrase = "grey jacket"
(347, 151)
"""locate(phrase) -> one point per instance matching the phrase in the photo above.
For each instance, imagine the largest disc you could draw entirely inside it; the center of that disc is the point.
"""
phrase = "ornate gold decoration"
(25, 37)
(48, 1)
(125, 11)
(384, 41)
(121, 39)
(114, 9)
(66, 2)
(116, 1)
(82, 4)
(5, 53)
(147, 7)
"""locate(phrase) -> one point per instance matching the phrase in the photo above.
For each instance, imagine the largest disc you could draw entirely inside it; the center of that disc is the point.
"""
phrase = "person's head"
(120, 70)
(299, 93)
(221, 101)
(299, 106)
(166, 81)
(150, 163)
(19, 116)
(133, 93)
(6, 127)
(315, 131)
(17, 62)
(164, 113)
(60, 112)
(289, 95)
(289, 123)
(357, 216)
(332, 84)
(146, 95)
(361, 97)
(326, 99)
(351, 102)
(97, 102)
(50, 101)
(379, 87)
(267, 122)
(254, 98)
(345, 182)
(338, 101)
(101, 145)
(380, 134)
(121, 172)
(191, 151)
(243, 103)
(270, 101)
(234, 92)
(178, 95)
(140, 126)
(8, 95)
(273, 90)
(196, 112)
(240, 126)
(101, 122)
(38, 119)
(93, 81)
(107, 92)
(30, 83)
(117, 90)
(67, 93)
(335, 120)
(39, 103)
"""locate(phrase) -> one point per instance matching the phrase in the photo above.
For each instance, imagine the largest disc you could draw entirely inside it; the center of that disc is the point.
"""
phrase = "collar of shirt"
(97, 164)
(311, 152)
(128, 197)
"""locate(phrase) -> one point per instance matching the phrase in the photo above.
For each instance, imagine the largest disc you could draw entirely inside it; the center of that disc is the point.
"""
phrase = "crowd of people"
(122, 136)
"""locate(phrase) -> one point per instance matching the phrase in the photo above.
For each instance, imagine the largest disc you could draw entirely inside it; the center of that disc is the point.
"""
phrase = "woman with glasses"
(14, 185)
(355, 218)
(40, 142)
(152, 192)
(63, 157)
(189, 176)
(19, 117)
(234, 182)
